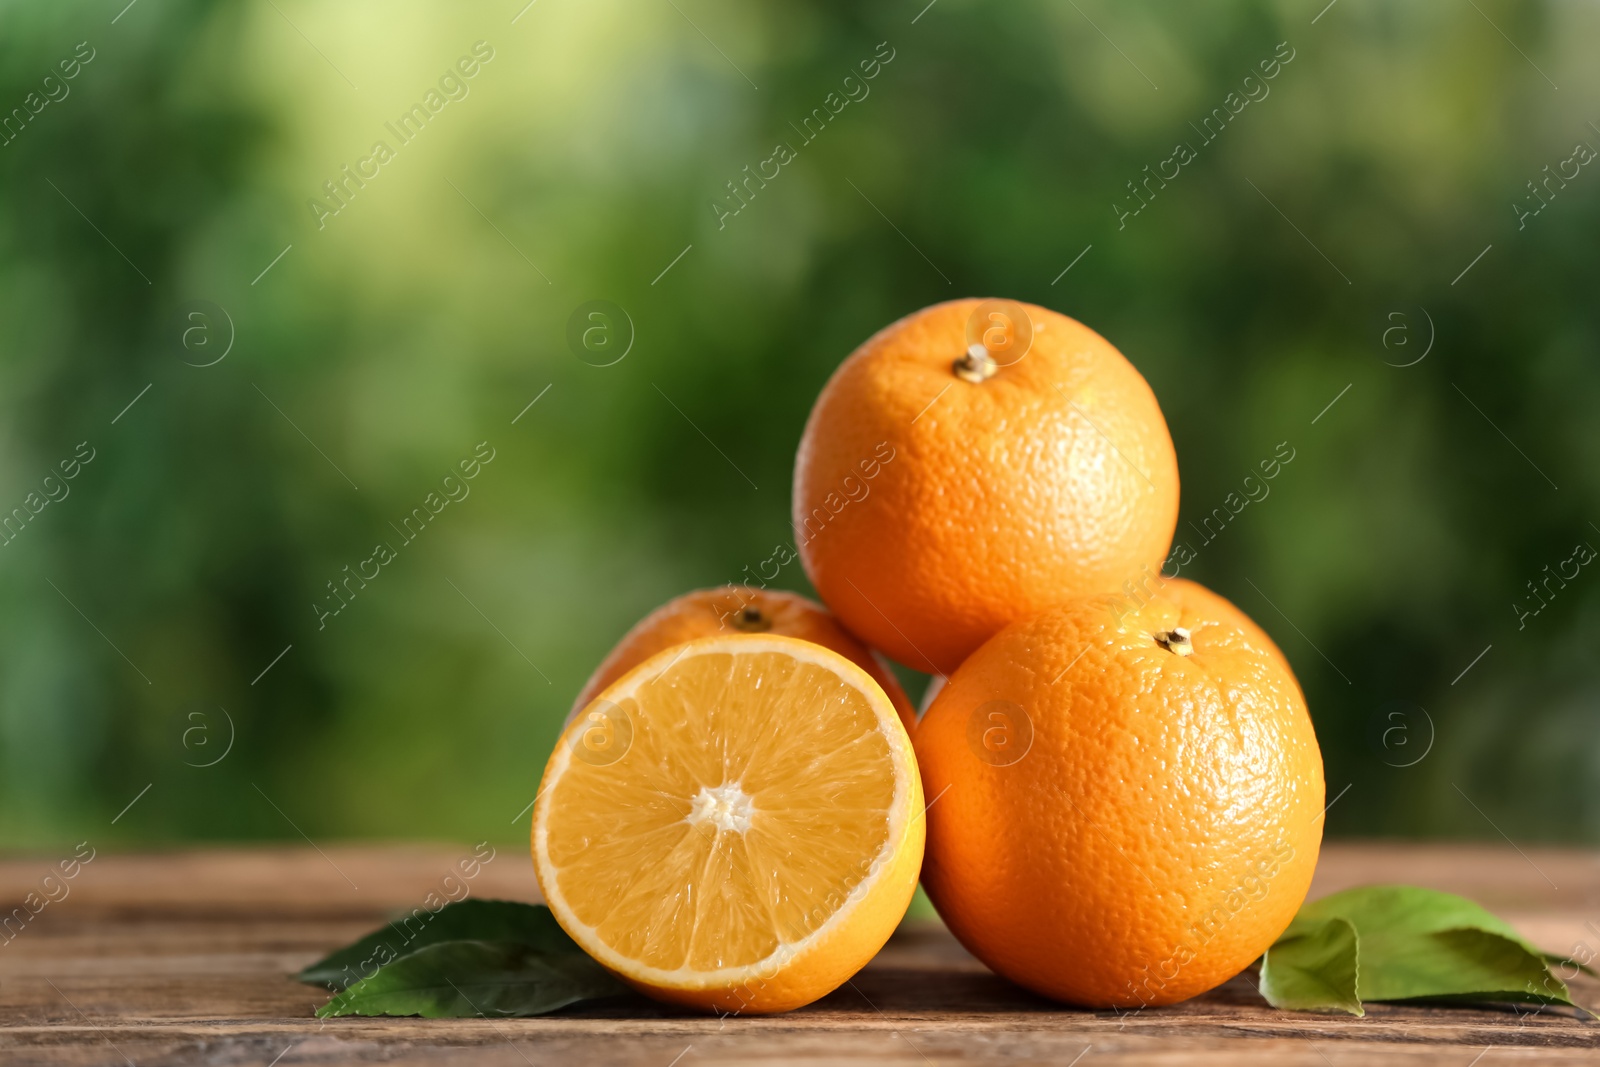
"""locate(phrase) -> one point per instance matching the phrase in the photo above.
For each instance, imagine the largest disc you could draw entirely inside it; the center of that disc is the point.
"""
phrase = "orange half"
(734, 825)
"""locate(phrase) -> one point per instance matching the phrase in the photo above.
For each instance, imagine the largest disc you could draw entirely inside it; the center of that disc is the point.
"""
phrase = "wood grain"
(186, 957)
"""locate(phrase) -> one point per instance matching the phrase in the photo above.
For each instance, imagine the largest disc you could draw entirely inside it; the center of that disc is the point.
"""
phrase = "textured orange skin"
(1162, 829)
(709, 612)
(1002, 498)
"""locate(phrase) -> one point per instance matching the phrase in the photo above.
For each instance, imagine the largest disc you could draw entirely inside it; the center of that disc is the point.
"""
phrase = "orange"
(739, 609)
(942, 493)
(1125, 798)
(735, 824)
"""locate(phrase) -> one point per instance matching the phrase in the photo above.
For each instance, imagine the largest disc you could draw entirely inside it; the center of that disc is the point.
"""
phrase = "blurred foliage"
(380, 349)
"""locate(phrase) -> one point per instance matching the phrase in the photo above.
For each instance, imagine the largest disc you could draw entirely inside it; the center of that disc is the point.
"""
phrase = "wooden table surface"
(186, 957)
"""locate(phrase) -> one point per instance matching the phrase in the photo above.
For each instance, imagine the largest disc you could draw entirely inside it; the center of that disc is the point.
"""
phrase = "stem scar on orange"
(1011, 475)
(735, 609)
(1131, 798)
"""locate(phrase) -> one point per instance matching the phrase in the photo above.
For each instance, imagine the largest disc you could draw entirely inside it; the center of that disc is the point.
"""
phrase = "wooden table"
(185, 957)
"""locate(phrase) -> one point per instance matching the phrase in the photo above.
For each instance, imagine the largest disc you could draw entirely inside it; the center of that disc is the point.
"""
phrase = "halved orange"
(735, 825)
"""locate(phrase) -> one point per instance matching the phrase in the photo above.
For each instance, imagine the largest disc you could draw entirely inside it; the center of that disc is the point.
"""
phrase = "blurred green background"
(990, 153)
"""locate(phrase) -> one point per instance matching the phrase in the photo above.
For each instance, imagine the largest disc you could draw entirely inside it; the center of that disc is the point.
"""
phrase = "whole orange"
(941, 492)
(732, 609)
(1125, 798)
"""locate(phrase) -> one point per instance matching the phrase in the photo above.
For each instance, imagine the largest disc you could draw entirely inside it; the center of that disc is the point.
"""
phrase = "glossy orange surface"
(931, 510)
(1119, 817)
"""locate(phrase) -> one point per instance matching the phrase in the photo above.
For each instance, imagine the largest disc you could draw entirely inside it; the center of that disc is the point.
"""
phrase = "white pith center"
(727, 807)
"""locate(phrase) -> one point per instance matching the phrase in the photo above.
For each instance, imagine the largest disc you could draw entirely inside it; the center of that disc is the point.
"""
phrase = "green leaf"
(1413, 944)
(1377, 910)
(1314, 968)
(466, 920)
(1466, 964)
(468, 979)
(1554, 958)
